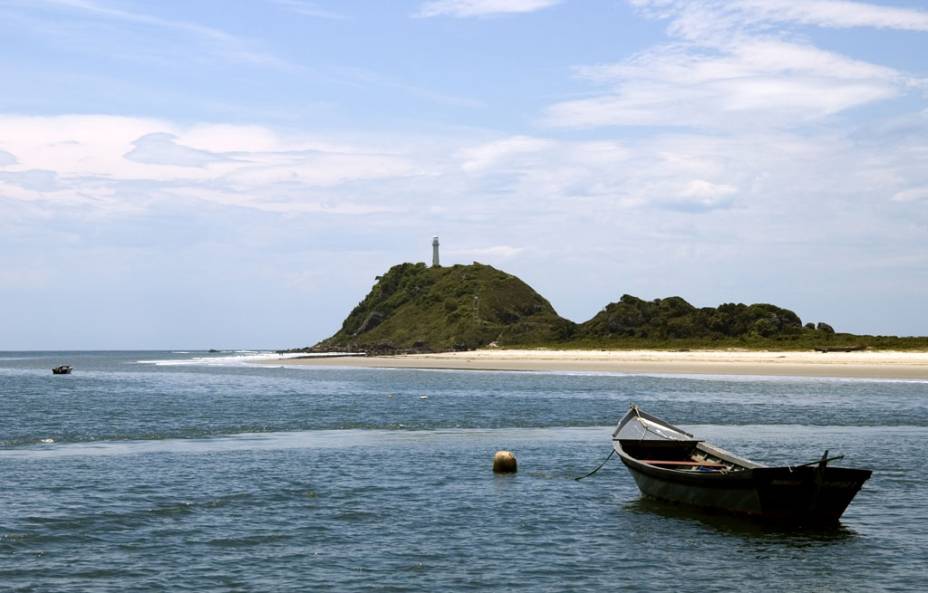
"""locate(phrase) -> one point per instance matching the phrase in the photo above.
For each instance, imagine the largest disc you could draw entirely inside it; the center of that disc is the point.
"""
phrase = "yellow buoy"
(504, 462)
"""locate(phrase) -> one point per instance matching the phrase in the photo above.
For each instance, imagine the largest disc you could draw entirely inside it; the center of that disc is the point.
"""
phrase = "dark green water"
(238, 478)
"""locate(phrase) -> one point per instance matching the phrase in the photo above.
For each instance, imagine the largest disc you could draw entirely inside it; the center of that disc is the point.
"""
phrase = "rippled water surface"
(223, 476)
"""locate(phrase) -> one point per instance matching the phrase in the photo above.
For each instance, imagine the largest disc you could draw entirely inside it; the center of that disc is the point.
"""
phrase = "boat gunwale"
(742, 464)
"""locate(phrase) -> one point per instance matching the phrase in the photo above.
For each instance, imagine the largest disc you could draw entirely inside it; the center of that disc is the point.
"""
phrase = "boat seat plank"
(682, 463)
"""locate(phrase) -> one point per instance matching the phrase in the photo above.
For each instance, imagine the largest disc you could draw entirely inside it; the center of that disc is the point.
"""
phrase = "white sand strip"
(876, 365)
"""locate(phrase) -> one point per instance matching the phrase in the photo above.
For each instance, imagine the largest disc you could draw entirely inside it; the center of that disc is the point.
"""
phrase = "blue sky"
(235, 174)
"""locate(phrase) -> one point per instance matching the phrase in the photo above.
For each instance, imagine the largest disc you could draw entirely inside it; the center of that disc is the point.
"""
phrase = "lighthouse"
(435, 263)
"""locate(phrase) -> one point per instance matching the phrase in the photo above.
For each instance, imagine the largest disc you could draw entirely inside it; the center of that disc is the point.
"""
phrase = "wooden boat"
(62, 370)
(670, 464)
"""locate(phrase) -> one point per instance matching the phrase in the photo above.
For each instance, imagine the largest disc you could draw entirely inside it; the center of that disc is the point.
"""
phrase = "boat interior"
(688, 455)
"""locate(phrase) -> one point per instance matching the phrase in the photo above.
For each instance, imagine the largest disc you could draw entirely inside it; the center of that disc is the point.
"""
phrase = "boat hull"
(798, 495)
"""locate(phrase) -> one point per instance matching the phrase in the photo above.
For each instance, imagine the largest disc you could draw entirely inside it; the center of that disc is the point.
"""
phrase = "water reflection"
(797, 536)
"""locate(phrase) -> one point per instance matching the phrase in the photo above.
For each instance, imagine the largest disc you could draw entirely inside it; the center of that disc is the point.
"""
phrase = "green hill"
(674, 323)
(674, 318)
(414, 308)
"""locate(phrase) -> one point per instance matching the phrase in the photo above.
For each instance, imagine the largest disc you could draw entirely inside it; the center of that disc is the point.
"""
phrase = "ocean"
(180, 471)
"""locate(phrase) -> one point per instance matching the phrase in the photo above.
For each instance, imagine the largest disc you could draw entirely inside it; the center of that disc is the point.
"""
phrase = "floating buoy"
(504, 462)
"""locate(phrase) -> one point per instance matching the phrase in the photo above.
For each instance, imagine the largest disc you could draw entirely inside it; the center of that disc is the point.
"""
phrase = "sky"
(236, 174)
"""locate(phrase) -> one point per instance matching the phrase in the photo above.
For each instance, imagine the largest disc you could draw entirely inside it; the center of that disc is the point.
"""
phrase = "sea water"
(160, 471)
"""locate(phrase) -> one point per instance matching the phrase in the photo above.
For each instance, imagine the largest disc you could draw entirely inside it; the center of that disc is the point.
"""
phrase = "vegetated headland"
(418, 309)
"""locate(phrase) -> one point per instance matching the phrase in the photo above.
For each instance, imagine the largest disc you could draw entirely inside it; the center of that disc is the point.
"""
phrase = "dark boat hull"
(798, 495)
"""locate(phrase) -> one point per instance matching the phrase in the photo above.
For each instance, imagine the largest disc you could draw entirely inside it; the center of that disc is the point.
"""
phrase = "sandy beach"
(875, 365)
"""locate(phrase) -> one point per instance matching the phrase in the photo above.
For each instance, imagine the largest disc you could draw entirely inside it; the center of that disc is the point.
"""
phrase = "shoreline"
(855, 365)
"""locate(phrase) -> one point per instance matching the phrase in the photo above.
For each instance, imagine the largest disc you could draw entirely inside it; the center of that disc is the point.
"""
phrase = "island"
(478, 317)
(415, 309)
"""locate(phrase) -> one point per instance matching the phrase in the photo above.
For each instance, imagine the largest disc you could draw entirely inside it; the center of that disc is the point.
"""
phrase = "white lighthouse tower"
(435, 263)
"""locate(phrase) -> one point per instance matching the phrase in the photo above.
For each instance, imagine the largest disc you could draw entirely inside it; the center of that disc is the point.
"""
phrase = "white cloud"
(161, 148)
(754, 82)
(25, 279)
(915, 194)
(838, 13)
(34, 180)
(601, 177)
(493, 252)
(477, 158)
(310, 9)
(320, 169)
(713, 19)
(472, 8)
(707, 193)
(547, 170)
(92, 161)
(116, 147)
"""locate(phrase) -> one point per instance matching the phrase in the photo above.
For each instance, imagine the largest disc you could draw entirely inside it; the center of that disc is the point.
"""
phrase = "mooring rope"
(599, 467)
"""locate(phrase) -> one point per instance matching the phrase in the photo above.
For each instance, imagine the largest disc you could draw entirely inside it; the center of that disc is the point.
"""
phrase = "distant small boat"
(62, 370)
(670, 464)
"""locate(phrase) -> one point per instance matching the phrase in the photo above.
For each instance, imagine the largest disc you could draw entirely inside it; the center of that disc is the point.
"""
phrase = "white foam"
(244, 358)
(317, 439)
